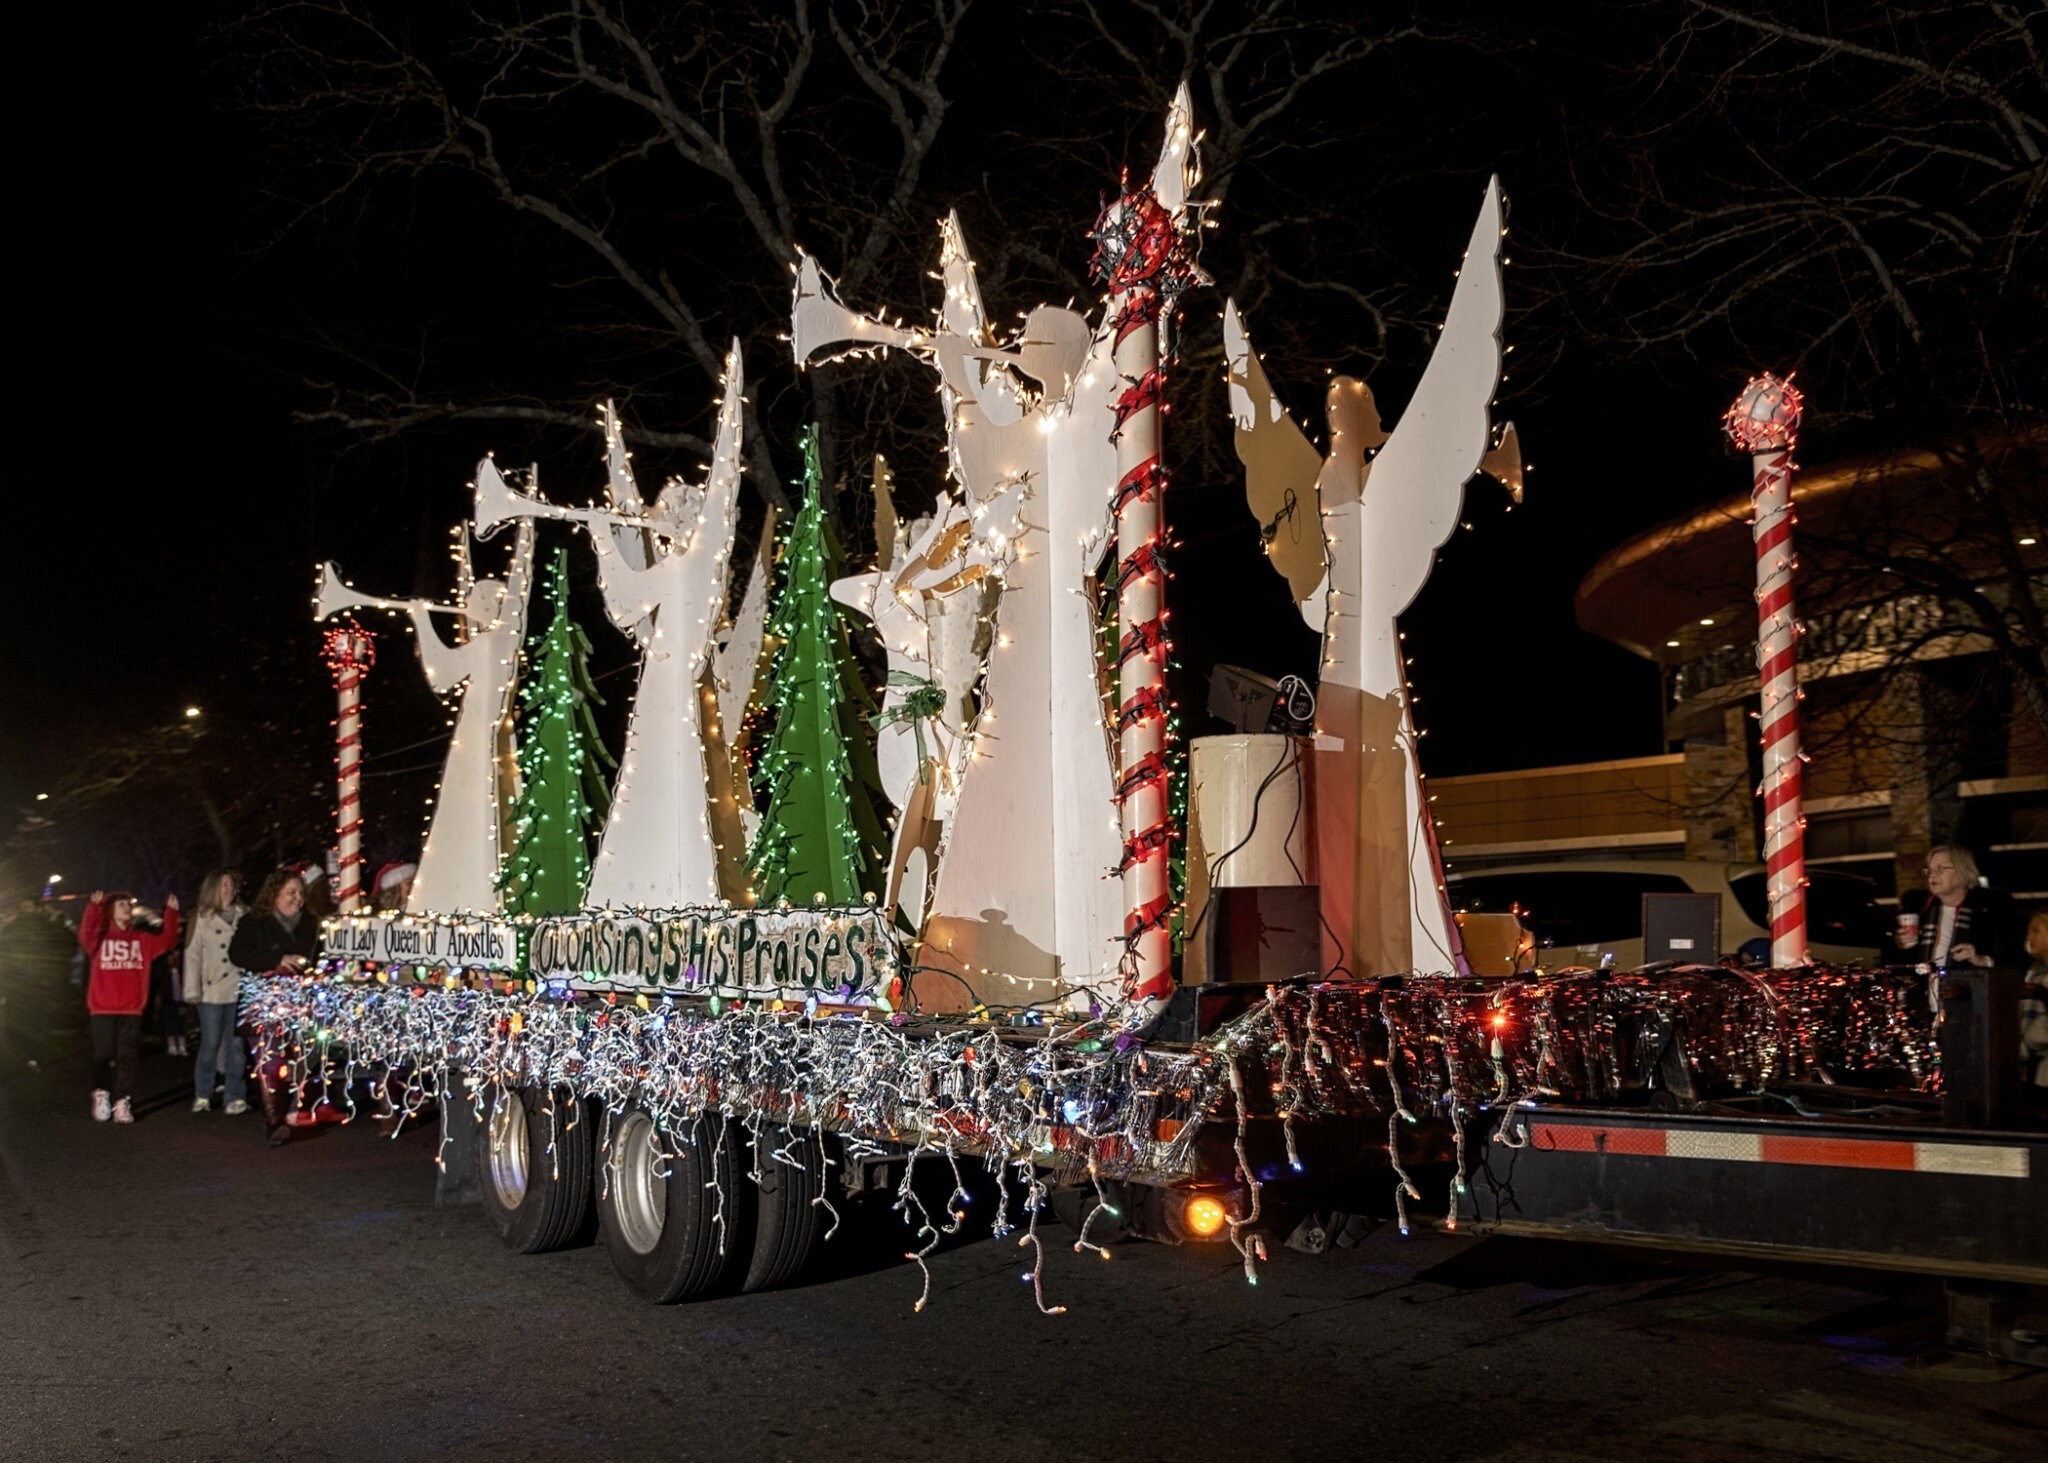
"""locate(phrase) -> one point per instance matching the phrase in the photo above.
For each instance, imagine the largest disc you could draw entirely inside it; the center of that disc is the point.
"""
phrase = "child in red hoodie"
(117, 992)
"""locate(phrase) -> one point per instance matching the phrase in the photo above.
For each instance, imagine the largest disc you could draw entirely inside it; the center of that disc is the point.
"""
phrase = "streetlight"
(190, 712)
(42, 797)
(56, 878)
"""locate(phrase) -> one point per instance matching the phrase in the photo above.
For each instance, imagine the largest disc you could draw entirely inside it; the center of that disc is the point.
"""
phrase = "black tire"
(536, 1200)
(673, 1208)
(788, 1220)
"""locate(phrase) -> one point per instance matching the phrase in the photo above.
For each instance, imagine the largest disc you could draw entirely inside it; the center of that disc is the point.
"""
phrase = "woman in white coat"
(213, 985)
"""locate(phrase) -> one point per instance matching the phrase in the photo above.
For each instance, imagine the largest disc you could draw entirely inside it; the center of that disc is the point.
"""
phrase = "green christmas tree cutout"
(562, 761)
(820, 834)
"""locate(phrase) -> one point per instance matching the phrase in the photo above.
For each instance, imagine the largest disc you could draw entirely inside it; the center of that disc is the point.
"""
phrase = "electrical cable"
(1258, 801)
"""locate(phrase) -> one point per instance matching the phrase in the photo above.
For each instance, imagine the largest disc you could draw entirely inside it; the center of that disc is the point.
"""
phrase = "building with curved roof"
(1916, 725)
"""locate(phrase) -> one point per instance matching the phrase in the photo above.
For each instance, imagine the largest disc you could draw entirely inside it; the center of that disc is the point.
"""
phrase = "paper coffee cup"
(1909, 929)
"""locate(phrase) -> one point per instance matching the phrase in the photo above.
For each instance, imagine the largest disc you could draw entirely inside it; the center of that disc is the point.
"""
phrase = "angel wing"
(1446, 429)
(706, 510)
(1281, 466)
(621, 490)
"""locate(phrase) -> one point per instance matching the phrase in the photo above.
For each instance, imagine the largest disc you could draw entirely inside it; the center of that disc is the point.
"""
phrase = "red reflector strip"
(1725, 1146)
(1574, 1138)
(1839, 1152)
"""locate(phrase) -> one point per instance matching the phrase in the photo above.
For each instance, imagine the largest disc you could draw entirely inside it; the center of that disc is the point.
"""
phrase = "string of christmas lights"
(562, 794)
(1764, 422)
(1081, 1102)
(820, 836)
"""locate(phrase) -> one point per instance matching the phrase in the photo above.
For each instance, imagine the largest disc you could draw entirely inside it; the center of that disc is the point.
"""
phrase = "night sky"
(170, 513)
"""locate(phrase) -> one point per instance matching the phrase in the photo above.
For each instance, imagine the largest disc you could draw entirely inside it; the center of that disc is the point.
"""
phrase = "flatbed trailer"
(1951, 1183)
(1876, 1192)
(711, 1137)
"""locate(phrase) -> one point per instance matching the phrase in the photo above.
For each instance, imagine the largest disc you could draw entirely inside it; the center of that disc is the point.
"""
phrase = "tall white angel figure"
(929, 602)
(1382, 523)
(458, 869)
(1022, 907)
(663, 574)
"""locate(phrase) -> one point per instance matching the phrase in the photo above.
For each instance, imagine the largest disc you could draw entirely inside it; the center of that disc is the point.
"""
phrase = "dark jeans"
(222, 1051)
(114, 1043)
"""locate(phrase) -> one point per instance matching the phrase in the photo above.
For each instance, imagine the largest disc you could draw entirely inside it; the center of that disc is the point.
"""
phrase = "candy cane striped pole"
(1141, 673)
(1144, 256)
(1764, 421)
(350, 654)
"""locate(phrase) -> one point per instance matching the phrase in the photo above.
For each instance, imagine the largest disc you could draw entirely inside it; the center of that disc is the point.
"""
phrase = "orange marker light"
(1205, 1216)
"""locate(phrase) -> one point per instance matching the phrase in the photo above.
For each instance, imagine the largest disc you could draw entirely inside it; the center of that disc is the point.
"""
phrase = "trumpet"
(1052, 352)
(335, 597)
(499, 503)
(817, 320)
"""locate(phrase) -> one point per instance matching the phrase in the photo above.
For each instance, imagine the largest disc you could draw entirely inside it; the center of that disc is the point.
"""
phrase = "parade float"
(755, 1002)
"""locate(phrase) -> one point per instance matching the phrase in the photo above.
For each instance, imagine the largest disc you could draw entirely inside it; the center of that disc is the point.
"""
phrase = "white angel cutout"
(458, 867)
(459, 861)
(1021, 906)
(663, 573)
(1382, 523)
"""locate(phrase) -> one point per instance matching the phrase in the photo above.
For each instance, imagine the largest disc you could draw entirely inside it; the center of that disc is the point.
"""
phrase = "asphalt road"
(177, 1290)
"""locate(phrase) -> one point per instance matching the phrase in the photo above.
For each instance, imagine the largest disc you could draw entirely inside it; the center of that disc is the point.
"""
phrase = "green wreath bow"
(922, 700)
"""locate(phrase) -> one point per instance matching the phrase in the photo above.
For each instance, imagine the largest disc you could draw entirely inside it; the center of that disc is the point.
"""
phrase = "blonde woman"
(214, 985)
(1959, 917)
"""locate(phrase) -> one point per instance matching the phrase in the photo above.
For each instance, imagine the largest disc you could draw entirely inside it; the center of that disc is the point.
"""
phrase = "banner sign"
(430, 941)
(842, 956)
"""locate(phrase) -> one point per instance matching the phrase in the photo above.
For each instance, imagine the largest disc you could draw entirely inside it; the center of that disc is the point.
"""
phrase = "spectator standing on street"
(1959, 918)
(116, 992)
(278, 934)
(214, 984)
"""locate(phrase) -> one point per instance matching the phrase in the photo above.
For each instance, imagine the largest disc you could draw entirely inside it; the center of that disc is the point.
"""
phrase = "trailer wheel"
(671, 1206)
(788, 1219)
(536, 1199)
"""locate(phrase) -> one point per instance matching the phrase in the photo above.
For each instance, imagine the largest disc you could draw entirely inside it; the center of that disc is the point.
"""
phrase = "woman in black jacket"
(278, 934)
(1961, 921)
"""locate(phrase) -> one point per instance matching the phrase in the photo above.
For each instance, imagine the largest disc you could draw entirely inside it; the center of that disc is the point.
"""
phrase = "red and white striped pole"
(1764, 422)
(350, 653)
(1143, 256)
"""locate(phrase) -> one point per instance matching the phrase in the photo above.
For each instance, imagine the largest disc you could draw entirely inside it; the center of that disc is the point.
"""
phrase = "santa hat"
(393, 875)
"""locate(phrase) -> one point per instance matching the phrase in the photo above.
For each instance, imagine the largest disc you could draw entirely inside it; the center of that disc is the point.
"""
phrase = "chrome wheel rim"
(508, 1149)
(639, 1182)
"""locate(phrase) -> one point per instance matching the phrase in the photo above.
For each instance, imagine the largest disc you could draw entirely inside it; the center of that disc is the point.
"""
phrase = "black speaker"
(1979, 1037)
(1685, 928)
(1262, 933)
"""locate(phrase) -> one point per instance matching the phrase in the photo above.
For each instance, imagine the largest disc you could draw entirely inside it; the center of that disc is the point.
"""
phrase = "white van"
(1580, 912)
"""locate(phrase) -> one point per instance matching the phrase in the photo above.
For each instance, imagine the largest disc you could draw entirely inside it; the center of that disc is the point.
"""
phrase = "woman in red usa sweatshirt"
(117, 992)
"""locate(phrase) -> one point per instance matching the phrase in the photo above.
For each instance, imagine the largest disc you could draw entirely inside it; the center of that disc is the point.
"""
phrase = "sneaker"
(122, 1113)
(202, 1104)
(236, 1108)
(102, 1104)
